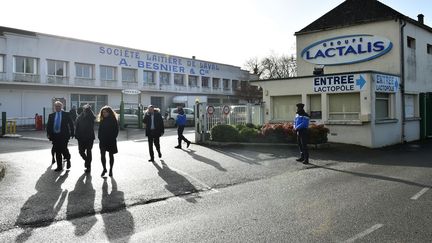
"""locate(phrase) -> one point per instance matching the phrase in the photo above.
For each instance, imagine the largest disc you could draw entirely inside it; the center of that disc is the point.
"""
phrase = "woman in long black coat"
(84, 133)
(108, 131)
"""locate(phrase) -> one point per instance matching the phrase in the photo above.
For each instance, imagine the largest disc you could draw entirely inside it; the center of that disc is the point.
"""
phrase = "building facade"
(365, 71)
(36, 69)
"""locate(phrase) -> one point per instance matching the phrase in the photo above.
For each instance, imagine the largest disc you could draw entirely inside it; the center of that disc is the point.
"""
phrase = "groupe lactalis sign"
(347, 49)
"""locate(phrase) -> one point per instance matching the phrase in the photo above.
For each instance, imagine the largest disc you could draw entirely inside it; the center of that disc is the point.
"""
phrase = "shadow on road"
(177, 184)
(81, 203)
(205, 160)
(41, 208)
(373, 176)
(119, 226)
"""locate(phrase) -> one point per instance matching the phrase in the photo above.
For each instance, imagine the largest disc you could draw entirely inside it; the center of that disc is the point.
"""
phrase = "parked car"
(130, 116)
(172, 115)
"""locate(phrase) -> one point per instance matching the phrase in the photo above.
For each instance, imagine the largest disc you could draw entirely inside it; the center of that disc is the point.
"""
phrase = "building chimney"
(193, 57)
(420, 18)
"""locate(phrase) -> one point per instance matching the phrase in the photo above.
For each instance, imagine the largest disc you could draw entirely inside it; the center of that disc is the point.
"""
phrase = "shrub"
(224, 133)
(317, 134)
(240, 127)
(250, 125)
(248, 134)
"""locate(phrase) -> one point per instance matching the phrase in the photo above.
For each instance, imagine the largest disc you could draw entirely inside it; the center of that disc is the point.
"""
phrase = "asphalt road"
(218, 194)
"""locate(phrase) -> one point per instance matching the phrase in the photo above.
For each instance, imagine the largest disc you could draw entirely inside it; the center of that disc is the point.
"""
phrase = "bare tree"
(250, 93)
(273, 66)
(254, 66)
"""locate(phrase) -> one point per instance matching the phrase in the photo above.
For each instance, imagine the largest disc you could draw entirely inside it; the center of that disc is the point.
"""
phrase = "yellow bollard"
(11, 127)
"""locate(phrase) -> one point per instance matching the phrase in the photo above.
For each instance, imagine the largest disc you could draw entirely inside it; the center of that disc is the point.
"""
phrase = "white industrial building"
(365, 71)
(36, 69)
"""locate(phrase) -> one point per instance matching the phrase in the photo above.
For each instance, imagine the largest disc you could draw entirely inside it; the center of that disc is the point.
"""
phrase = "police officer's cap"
(300, 105)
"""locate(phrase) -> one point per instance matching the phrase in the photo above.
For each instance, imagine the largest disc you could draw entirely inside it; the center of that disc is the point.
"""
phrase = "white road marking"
(364, 233)
(420, 193)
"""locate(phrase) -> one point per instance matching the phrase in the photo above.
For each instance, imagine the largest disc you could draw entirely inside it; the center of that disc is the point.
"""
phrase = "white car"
(172, 114)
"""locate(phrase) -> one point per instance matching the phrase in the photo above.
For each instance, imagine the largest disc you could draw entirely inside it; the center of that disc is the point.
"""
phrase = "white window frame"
(147, 75)
(216, 81)
(193, 81)
(80, 70)
(57, 64)
(125, 77)
(2, 68)
(104, 70)
(313, 107)
(343, 113)
(179, 79)
(389, 99)
(284, 107)
(35, 65)
(411, 101)
(164, 78)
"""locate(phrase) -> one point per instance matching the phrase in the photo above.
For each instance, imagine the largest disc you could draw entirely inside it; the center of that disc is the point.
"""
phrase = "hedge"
(269, 132)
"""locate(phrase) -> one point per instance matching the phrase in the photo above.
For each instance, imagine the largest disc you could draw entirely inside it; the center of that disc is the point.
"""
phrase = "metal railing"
(57, 80)
(24, 77)
(84, 82)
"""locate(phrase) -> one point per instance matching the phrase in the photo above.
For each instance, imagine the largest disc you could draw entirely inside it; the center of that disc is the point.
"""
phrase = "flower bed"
(268, 133)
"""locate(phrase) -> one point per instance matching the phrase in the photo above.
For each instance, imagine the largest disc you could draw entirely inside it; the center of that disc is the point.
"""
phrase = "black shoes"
(160, 154)
(300, 159)
(87, 170)
(188, 143)
(103, 172)
(110, 174)
(178, 147)
(68, 164)
(58, 169)
(151, 160)
(306, 162)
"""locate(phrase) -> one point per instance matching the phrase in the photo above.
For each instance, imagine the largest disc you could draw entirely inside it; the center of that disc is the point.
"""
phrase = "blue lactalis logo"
(346, 49)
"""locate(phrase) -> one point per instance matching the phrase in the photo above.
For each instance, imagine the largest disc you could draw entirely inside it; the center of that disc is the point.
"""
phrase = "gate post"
(3, 131)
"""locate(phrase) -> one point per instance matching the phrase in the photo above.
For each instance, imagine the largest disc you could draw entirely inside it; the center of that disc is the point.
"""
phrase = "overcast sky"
(224, 31)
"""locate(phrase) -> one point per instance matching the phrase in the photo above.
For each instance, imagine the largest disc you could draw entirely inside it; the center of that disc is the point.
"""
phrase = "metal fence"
(238, 114)
(19, 123)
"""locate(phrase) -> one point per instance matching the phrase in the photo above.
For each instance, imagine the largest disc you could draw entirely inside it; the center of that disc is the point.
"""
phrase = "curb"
(224, 144)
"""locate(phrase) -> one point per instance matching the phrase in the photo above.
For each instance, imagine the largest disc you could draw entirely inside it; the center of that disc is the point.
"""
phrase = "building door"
(426, 115)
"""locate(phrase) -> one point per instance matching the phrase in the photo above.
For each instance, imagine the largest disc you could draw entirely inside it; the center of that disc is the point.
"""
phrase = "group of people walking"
(62, 126)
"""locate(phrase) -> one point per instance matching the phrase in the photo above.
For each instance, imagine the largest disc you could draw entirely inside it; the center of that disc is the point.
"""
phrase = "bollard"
(3, 130)
(11, 127)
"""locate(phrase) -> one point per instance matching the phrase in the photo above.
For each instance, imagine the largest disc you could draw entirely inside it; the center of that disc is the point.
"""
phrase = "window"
(178, 79)
(226, 83)
(193, 81)
(284, 107)
(410, 108)
(157, 101)
(411, 43)
(205, 82)
(56, 68)
(344, 106)
(149, 77)
(215, 83)
(26, 65)
(1, 63)
(213, 101)
(128, 75)
(315, 106)
(95, 101)
(83, 70)
(164, 78)
(235, 84)
(429, 49)
(108, 73)
(382, 106)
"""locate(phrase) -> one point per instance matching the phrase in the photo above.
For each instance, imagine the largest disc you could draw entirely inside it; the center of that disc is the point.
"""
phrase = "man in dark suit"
(60, 129)
(154, 130)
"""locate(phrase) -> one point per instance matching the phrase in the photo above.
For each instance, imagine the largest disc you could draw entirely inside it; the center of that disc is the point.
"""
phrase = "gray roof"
(353, 12)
